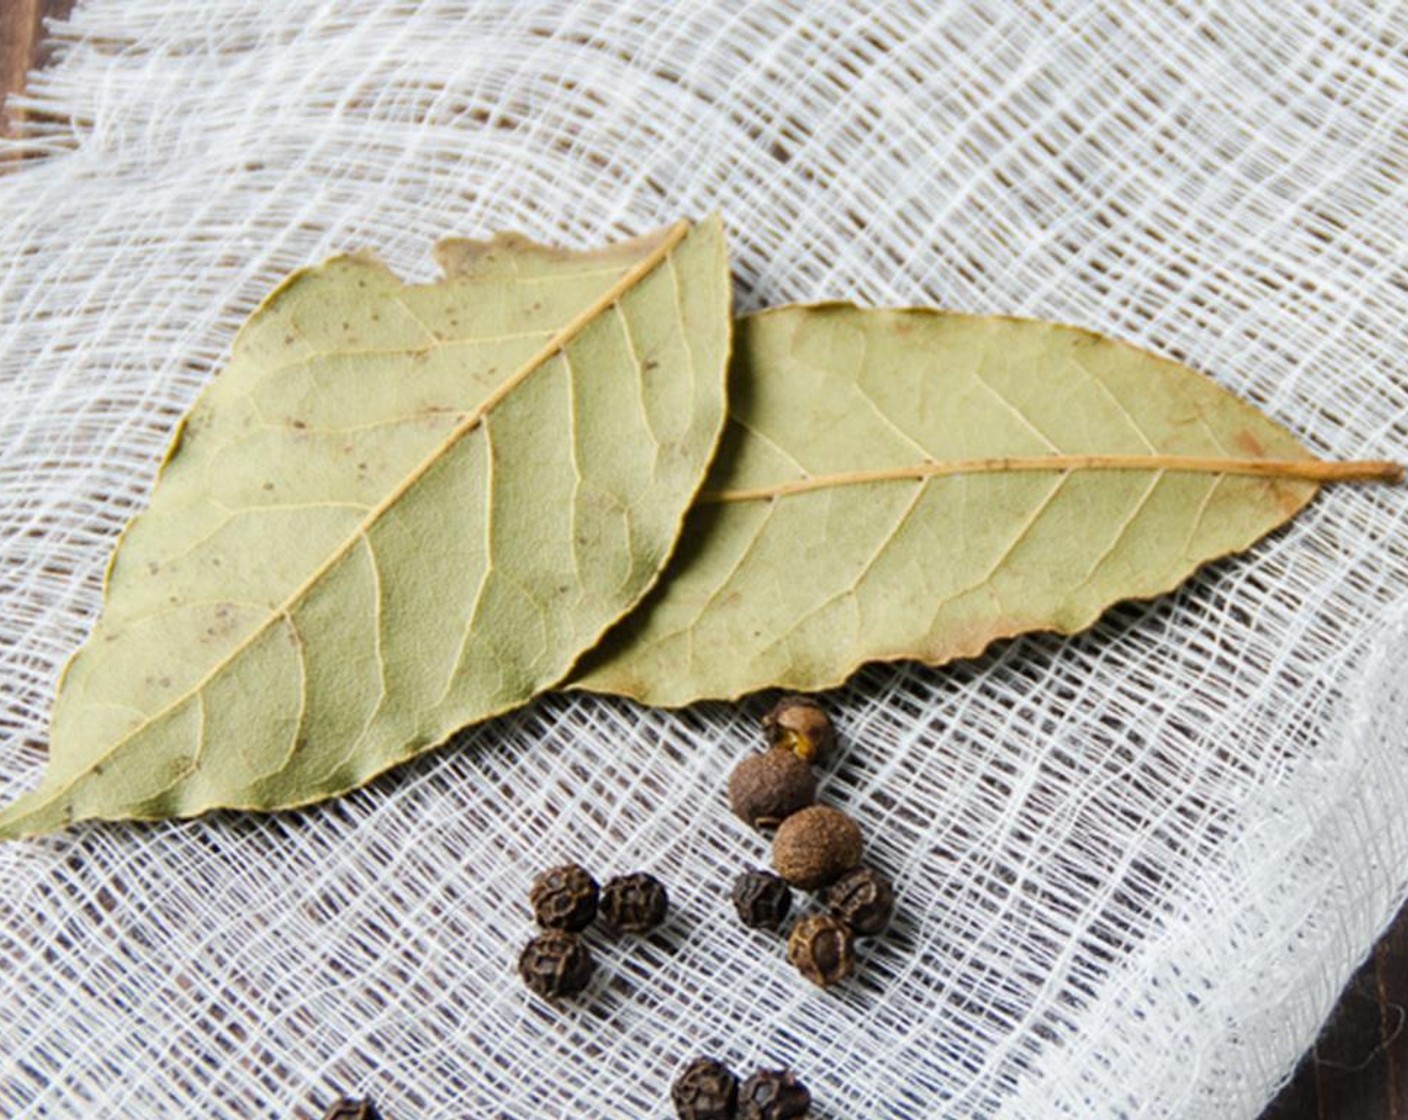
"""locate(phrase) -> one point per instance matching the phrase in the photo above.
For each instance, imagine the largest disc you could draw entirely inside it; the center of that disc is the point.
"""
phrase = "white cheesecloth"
(1135, 867)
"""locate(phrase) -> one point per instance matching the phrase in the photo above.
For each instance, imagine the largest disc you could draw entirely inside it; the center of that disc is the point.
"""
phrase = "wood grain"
(22, 48)
(1358, 1070)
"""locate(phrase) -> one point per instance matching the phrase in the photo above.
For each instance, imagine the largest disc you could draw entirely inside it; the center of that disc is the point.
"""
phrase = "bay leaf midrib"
(1302, 470)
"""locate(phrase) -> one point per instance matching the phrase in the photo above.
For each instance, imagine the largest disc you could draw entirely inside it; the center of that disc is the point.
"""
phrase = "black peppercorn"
(634, 903)
(348, 1109)
(863, 899)
(814, 848)
(766, 789)
(564, 898)
(773, 1094)
(556, 963)
(706, 1090)
(762, 899)
(800, 725)
(822, 949)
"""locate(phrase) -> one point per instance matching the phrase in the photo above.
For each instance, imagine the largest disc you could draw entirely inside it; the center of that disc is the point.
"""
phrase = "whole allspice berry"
(634, 903)
(766, 789)
(773, 1094)
(706, 1090)
(863, 899)
(564, 898)
(799, 724)
(762, 899)
(556, 963)
(822, 948)
(815, 847)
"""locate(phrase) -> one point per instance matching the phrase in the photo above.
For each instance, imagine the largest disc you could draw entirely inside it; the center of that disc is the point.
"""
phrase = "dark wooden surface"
(22, 46)
(1358, 1069)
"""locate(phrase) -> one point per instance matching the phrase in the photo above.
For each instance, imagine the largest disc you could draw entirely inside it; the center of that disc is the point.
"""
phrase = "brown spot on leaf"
(1289, 495)
(1250, 444)
(299, 424)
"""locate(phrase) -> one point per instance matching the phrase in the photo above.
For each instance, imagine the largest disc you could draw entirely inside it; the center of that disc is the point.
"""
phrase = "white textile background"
(1135, 867)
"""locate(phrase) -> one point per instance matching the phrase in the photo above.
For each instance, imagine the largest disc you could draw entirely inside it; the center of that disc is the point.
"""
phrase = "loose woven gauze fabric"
(1134, 867)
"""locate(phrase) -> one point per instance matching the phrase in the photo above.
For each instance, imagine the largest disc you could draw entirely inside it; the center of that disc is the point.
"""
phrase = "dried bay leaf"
(915, 484)
(399, 510)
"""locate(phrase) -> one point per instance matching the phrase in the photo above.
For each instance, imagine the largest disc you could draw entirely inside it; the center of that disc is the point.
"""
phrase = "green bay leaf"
(399, 510)
(916, 484)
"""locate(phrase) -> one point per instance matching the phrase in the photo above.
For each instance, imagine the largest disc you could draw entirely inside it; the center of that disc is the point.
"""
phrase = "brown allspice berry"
(556, 963)
(634, 903)
(815, 847)
(822, 948)
(863, 899)
(762, 899)
(766, 789)
(799, 724)
(564, 898)
(706, 1090)
(773, 1094)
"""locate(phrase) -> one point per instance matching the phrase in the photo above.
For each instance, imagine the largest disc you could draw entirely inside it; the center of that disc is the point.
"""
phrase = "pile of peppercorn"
(708, 1090)
(815, 847)
(565, 901)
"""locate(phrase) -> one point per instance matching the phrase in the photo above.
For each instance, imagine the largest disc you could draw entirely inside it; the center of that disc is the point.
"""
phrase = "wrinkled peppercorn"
(773, 1094)
(800, 725)
(556, 963)
(564, 898)
(815, 847)
(634, 903)
(762, 899)
(822, 949)
(863, 899)
(706, 1090)
(766, 789)
(348, 1109)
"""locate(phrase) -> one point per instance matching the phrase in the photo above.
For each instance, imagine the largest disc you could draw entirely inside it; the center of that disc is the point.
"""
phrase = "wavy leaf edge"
(1310, 469)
